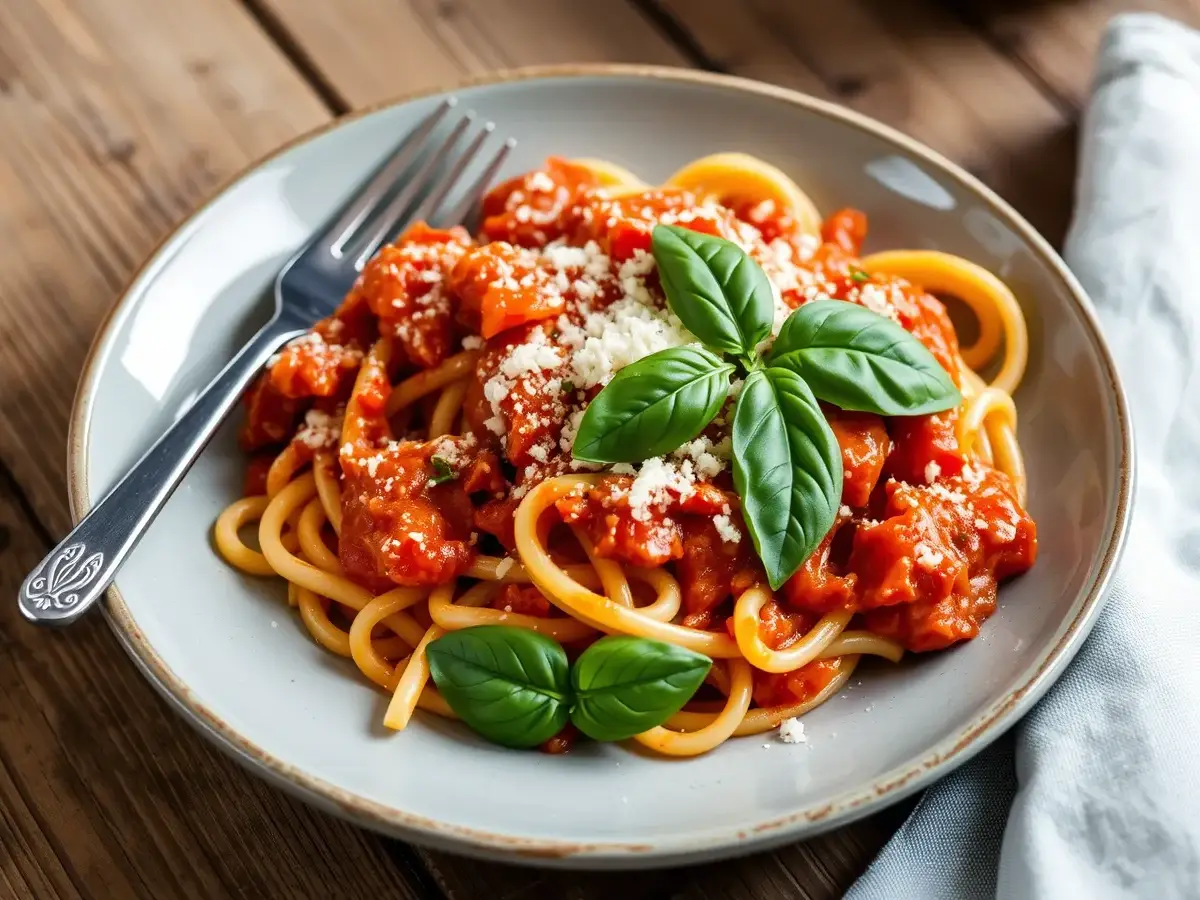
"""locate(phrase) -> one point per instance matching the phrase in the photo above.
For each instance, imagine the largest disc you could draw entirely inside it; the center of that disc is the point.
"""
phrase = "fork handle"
(75, 574)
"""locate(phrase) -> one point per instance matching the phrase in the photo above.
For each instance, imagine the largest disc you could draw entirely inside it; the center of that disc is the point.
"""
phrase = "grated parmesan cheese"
(320, 430)
(877, 298)
(791, 731)
(632, 275)
(708, 459)
(532, 356)
(566, 440)
(309, 338)
(1005, 531)
(620, 335)
(657, 485)
(450, 449)
(928, 558)
(729, 532)
(950, 495)
(561, 257)
(372, 463)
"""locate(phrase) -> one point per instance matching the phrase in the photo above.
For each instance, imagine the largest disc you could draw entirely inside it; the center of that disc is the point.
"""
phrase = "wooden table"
(118, 116)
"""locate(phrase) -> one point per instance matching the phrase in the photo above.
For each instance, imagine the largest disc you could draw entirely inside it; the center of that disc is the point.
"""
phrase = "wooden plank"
(368, 51)
(819, 869)
(29, 865)
(105, 792)
(1057, 42)
(915, 66)
(111, 134)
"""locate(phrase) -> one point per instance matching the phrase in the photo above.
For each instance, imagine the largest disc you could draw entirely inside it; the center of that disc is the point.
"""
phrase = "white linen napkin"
(1096, 793)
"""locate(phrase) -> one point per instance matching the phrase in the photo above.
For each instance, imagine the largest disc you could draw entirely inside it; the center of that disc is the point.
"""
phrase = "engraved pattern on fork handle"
(57, 582)
(76, 573)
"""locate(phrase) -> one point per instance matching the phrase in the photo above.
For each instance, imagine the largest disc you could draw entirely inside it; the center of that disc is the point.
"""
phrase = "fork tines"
(419, 180)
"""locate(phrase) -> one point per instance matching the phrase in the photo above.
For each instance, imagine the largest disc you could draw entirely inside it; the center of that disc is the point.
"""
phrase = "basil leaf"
(626, 685)
(718, 292)
(653, 406)
(787, 468)
(859, 360)
(509, 684)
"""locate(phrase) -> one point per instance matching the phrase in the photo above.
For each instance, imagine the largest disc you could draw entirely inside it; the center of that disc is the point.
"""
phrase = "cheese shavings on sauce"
(559, 293)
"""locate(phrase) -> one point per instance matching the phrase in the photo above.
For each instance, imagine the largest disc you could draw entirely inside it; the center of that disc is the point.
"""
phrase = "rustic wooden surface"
(118, 116)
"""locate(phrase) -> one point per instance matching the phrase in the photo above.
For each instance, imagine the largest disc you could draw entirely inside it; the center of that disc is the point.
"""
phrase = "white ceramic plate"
(233, 659)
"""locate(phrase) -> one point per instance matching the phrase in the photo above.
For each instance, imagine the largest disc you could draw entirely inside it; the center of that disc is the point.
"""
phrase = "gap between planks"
(293, 51)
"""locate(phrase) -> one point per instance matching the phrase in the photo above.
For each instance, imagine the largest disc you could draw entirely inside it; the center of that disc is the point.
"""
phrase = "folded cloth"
(1096, 793)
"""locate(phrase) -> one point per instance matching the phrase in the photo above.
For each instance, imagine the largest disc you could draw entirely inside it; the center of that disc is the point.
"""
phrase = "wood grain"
(110, 135)
(915, 65)
(818, 869)
(1057, 41)
(369, 51)
(110, 795)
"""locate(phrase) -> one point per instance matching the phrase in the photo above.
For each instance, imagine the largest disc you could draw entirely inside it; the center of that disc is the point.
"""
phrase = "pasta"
(413, 471)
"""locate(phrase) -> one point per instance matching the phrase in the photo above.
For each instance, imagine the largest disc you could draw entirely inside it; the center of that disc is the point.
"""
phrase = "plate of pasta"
(739, 467)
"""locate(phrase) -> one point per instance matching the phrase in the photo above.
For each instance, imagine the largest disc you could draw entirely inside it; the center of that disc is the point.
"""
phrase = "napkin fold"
(1096, 793)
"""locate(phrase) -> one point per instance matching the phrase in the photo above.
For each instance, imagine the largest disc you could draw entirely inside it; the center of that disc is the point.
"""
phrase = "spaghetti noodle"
(413, 471)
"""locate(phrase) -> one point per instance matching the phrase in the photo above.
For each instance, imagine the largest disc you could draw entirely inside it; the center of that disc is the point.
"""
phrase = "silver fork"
(76, 573)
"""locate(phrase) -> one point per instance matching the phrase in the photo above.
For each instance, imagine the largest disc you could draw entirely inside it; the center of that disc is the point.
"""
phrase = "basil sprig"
(514, 686)
(787, 464)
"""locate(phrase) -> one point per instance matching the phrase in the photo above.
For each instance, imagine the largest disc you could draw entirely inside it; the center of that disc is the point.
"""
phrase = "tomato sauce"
(786, 688)
(403, 286)
(923, 536)
(397, 526)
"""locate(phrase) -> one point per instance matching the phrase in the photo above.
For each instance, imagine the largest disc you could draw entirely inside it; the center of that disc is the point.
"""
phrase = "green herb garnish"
(859, 275)
(515, 687)
(860, 360)
(664, 401)
(787, 464)
(442, 471)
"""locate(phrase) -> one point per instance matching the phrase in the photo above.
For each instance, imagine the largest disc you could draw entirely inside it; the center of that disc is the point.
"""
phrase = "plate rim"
(883, 791)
